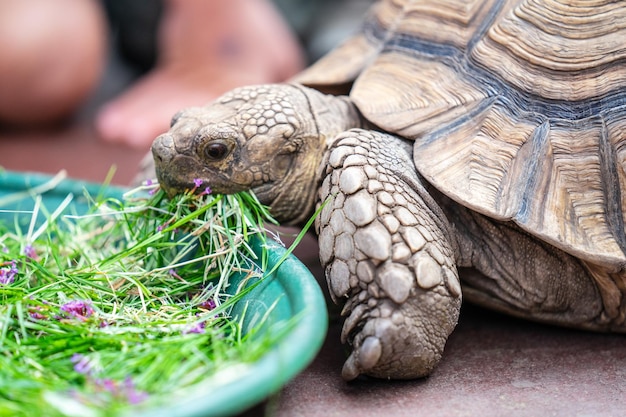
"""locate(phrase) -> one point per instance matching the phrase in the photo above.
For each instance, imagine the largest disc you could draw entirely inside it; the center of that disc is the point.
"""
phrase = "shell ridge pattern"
(461, 62)
(552, 109)
(485, 25)
(609, 162)
(558, 49)
(379, 33)
(480, 108)
(577, 202)
(415, 46)
(538, 141)
(559, 179)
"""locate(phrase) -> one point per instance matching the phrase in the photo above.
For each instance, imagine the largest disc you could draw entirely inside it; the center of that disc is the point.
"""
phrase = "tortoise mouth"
(201, 183)
(266, 193)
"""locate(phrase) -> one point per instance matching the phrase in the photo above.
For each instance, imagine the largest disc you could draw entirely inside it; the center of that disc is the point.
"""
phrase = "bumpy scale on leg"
(384, 245)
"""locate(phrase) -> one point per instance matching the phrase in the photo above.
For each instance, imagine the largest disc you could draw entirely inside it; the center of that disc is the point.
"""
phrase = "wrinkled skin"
(391, 245)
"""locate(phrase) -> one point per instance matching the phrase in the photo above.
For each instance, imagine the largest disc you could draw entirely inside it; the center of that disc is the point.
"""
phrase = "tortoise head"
(260, 138)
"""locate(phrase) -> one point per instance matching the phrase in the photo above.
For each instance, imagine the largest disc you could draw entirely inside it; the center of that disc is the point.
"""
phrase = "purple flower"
(165, 225)
(133, 396)
(126, 390)
(81, 364)
(107, 384)
(35, 312)
(196, 328)
(208, 304)
(206, 191)
(39, 312)
(197, 182)
(173, 273)
(78, 308)
(36, 315)
(29, 251)
(7, 275)
(149, 182)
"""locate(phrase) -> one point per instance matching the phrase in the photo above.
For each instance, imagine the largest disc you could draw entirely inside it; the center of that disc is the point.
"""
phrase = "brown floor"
(493, 365)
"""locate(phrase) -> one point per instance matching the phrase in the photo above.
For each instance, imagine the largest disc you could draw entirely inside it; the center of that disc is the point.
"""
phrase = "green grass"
(126, 304)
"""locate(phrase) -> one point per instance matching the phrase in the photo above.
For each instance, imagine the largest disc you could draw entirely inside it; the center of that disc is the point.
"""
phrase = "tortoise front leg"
(384, 245)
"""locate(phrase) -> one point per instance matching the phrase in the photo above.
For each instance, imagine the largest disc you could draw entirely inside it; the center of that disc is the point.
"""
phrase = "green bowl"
(291, 290)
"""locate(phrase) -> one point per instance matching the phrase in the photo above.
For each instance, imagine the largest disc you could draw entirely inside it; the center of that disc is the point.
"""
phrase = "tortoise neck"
(331, 114)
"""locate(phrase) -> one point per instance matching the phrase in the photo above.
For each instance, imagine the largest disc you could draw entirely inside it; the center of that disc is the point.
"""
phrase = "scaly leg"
(385, 247)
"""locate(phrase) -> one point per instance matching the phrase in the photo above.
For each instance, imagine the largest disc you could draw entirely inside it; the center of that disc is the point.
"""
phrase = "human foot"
(206, 48)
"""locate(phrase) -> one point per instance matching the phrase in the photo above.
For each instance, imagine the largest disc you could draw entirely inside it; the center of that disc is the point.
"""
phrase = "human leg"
(51, 58)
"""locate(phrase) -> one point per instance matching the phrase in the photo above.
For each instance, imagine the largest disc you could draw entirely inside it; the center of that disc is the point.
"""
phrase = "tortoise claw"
(350, 369)
(362, 358)
(352, 321)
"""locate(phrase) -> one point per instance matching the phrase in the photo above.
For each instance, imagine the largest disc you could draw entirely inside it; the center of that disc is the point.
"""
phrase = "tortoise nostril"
(163, 149)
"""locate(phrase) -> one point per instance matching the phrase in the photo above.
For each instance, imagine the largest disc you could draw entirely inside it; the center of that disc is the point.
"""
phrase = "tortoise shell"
(517, 108)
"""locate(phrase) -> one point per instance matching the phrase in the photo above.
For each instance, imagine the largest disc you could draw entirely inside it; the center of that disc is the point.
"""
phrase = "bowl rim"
(252, 383)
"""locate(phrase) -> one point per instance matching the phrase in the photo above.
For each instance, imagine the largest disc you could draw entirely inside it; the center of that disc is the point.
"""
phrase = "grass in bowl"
(126, 304)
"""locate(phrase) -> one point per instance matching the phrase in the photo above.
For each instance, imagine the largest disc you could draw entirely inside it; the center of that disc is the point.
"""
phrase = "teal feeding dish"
(290, 294)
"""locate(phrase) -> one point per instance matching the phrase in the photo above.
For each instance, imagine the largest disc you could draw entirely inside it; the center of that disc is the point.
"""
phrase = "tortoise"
(473, 147)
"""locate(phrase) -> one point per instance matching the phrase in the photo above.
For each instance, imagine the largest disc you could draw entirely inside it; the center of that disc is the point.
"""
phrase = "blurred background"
(86, 85)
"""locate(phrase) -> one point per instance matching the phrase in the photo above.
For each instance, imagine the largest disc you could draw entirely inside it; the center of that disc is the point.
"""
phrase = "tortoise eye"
(215, 151)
